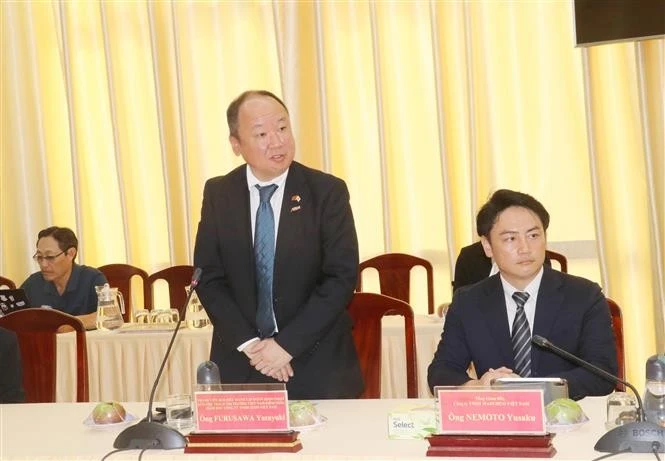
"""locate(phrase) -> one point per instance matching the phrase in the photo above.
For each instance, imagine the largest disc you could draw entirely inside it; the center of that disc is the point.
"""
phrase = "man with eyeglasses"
(61, 283)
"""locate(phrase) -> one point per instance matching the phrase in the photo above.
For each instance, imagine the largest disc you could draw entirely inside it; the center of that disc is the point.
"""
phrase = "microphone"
(640, 436)
(148, 433)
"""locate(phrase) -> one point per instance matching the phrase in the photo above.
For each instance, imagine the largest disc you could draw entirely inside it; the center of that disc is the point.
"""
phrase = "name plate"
(484, 411)
(242, 411)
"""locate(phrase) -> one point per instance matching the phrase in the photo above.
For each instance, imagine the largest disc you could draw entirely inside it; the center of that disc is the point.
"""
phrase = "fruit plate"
(129, 418)
(559, 428)
(310, 427)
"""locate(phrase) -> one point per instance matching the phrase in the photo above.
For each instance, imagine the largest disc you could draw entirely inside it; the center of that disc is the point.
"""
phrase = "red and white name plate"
(481, 411)
(242, 411)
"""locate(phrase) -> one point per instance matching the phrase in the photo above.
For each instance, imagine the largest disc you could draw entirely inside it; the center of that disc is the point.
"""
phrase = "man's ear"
(486, 246)
(235, 144)
(71, 252)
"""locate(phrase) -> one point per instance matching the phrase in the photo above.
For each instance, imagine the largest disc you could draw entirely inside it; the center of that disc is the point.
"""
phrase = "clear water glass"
(161, 316)
(179, 413)
(142, 316)
(621, 409)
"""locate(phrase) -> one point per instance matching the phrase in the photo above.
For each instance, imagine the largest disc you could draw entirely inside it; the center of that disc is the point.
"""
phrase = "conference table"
(354, 430)
(122, 366)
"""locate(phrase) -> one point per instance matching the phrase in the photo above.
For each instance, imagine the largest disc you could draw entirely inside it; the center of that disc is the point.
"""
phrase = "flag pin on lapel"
(295, 199)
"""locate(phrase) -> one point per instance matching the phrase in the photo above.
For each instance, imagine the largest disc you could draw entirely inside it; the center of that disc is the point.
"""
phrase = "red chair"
(366, 310)
(120, 276)
(5, 282)
(395, 276)
(558, 257)
(617, 327)
(177, 277)
(36, 329)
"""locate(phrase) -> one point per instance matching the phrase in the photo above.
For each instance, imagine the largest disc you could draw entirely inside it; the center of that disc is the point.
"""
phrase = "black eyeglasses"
(49, 259)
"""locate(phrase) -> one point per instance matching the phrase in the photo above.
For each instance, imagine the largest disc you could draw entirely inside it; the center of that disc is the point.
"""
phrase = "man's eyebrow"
(517, 232)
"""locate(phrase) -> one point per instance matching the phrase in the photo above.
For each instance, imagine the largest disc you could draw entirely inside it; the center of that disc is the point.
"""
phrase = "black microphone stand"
(640, 436)
(148, 433)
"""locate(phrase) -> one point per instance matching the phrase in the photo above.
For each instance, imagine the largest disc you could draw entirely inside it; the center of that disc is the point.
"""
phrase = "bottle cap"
(655, 368)
(207, 373)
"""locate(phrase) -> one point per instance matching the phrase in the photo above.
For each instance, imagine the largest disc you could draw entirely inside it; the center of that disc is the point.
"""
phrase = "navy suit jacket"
(316, 268)
(570, 311)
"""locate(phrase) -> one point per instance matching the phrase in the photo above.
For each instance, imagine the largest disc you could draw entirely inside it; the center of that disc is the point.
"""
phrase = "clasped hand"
(270, 359)
(492, 374)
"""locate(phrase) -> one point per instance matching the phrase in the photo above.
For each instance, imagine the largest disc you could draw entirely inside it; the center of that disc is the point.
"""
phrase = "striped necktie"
(521, 337)
(264, 255)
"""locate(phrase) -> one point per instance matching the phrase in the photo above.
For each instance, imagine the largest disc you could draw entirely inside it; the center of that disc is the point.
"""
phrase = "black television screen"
(602, 21)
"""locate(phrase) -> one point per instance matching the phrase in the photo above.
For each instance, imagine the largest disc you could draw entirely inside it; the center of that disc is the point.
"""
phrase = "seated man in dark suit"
(490, 324)
(11, 376)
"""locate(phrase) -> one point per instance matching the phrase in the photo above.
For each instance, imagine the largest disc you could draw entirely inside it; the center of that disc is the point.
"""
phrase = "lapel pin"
(295, 208)
(295, 198)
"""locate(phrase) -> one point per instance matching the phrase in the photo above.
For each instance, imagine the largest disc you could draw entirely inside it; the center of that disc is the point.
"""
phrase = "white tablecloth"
(355, 430)
(123, 366)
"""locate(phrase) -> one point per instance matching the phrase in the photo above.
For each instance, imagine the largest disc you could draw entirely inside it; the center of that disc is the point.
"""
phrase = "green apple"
(564, 411)
(108, 413)
(302, 413)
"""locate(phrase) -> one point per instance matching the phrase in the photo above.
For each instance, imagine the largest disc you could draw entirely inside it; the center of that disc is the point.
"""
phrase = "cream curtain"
(113, 117)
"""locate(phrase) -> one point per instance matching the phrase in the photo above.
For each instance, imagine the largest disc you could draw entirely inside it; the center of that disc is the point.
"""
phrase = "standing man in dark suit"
(490, 324)
(280, 318)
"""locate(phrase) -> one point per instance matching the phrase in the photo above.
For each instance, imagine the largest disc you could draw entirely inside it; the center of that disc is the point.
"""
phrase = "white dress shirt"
(529, 306)
(275, 203)
(275, 200)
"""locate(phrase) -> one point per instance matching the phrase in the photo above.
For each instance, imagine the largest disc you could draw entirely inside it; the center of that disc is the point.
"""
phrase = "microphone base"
(149, 434)
(637, 437)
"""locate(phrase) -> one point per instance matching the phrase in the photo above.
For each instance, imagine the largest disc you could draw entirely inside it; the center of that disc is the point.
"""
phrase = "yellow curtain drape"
(113, 117)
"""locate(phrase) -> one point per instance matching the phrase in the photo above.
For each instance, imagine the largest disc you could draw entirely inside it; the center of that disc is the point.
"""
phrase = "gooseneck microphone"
(148, 433)
(545, 344)
(637, 437)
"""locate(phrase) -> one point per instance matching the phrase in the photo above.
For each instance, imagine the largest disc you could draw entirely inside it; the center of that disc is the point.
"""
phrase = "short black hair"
(505, 198)
(63, 235)
(234, 107)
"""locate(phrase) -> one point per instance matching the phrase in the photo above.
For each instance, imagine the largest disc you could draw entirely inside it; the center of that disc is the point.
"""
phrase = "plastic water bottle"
(654, 394)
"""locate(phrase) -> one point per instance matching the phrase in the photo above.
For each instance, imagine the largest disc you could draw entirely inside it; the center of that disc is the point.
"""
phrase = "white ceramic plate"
(310, 427)
(558, 428)
(129, 418)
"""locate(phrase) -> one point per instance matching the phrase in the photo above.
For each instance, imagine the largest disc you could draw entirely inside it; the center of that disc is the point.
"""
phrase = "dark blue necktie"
(264, 255)
(521, 337)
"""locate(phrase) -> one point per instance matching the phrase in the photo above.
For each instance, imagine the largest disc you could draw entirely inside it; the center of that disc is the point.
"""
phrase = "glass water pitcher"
(195, 315)
(110, 308)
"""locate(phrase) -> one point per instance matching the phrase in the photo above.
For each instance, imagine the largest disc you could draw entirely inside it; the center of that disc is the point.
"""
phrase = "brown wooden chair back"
(120, 276)
(558, 257)
(366, 310)
(36, 330)
(617, 327)
(177, 277)
(395, 276)
(5, 282)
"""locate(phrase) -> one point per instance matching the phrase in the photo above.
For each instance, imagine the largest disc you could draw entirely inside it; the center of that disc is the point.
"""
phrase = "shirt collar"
(252, 180)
